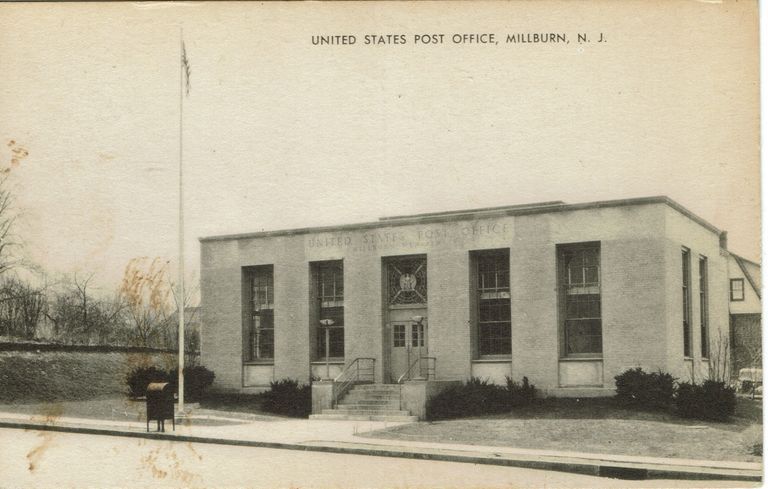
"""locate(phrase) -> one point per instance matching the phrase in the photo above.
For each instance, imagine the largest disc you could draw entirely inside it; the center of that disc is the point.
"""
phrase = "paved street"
(50, 459)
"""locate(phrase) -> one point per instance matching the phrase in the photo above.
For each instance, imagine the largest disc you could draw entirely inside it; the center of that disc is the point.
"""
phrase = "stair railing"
(429, 369)
(358, 371)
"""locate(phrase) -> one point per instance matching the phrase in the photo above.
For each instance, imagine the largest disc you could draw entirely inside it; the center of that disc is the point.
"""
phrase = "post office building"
(568, 295)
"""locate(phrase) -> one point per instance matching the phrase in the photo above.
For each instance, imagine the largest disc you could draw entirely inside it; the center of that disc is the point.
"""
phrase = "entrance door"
(406, 321)
(408, 342)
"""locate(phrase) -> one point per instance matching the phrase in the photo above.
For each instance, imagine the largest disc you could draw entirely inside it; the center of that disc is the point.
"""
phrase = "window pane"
(575, 275)
(417, 335)
(320, 342)
(336, 314)
(266, 343)
(493, 304)
(495, 339)
(590, 275)
(493, 272)
(580, 300)
(582, 306)
(590, 258)
(330, 282)
(494, 310)
(503, 279)
(737, 289)
(583, 336)
(261, 326)
(704, 307)
(686, 302)
(337, 342)
(267, 319)
(398, 335)
(590, 308)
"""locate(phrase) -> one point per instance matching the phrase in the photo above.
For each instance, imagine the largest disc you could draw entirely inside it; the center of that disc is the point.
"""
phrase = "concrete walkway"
(205, 426)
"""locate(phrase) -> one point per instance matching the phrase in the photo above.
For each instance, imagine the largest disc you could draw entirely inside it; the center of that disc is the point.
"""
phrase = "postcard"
(380, 244)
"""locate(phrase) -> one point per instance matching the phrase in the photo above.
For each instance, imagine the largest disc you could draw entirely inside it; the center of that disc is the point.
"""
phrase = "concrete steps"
(367, 412)
(369, 402)
(369, 405)
(359, 417)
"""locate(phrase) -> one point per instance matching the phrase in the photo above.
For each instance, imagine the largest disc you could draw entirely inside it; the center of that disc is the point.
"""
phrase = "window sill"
(259, 362)
(407, 306)
(506, 359)
(581, 359)
(331, 361)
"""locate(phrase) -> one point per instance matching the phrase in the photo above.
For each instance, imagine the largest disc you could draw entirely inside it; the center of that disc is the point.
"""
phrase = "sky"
(280, 133)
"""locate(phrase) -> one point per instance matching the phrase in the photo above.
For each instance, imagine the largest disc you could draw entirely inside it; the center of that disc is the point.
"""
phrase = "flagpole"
(180, 298)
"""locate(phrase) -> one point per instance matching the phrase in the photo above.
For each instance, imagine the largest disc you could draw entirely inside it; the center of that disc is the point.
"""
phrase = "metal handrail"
(431, 368)
(352, 374)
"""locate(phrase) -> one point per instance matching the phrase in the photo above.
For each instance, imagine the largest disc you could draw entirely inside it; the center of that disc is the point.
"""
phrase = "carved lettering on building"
(408, 238)
(329, 241)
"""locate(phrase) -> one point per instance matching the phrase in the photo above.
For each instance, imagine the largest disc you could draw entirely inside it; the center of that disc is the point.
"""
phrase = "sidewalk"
(216, 427)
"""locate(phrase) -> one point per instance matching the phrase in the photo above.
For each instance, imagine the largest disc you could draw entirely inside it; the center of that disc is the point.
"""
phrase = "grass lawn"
(109, 408)
(125, 409)
(598, 426)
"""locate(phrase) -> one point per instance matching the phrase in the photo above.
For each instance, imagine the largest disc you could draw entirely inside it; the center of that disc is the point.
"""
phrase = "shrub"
(196, 380)
(711, 400)
(478, 397)
(289, 398)
(645, 390)
(520, 394)
(138, 379)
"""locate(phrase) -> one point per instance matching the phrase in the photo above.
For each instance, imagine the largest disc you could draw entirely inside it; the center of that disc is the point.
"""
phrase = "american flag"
(185, 66)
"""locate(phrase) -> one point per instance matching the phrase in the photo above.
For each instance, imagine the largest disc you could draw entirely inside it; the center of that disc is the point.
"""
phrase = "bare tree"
(146, 293)
(191, 317)
(21, 308)
(720, 358)
(80, 315)
(8, 217)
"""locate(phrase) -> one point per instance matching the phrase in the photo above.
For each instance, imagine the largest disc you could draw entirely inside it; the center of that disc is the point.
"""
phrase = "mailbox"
(160, 405)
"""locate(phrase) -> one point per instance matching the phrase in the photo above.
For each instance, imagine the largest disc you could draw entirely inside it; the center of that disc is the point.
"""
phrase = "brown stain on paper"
(18, 153)
(164, 463)
(146, 290)
(51, 413)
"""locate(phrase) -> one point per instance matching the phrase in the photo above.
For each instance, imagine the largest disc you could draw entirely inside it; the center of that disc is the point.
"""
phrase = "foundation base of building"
(578, 392)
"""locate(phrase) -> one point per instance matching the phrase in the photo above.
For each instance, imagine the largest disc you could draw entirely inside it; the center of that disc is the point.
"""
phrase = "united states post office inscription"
(409, 238)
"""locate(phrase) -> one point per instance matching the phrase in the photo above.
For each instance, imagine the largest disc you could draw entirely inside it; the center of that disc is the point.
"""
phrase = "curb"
(600, 468)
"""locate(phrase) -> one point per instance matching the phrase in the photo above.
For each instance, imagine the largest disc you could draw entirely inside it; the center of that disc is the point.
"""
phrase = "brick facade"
(640, 244)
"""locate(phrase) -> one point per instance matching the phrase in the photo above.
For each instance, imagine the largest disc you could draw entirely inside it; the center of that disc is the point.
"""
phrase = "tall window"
(494, 326)
(261, 337)
(329, 283)
(686, 302)
(579, 292)
(703, 306)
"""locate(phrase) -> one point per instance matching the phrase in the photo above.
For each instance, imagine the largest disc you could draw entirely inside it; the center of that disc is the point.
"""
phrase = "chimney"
(724, 240)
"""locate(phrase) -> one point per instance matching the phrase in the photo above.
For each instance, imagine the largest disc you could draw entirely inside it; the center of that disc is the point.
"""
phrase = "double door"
(408, 343)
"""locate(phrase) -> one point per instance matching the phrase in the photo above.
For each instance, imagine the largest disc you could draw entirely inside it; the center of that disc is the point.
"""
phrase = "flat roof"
(458, 215)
